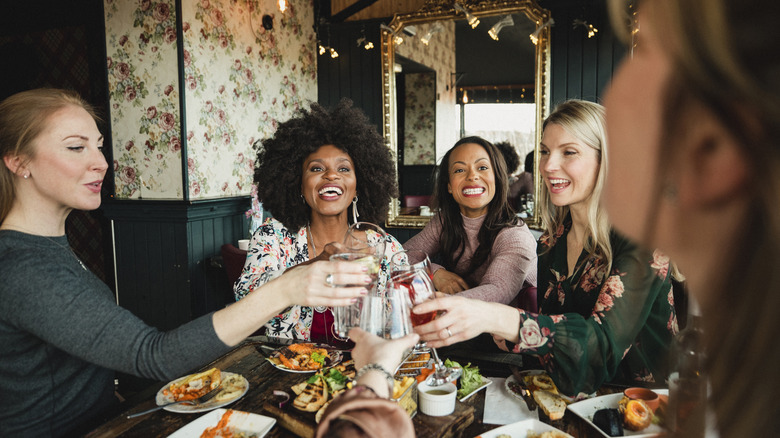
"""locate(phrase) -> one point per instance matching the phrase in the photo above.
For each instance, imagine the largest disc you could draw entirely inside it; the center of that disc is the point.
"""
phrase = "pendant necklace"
(313, 250)
(70, 250)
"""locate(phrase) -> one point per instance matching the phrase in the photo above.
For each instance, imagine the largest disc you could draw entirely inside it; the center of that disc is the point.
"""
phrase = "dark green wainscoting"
(167, 256)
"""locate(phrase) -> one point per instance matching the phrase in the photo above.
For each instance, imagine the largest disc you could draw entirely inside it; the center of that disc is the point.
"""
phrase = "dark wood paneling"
(356, 73)
(164, 255)
(581, 66)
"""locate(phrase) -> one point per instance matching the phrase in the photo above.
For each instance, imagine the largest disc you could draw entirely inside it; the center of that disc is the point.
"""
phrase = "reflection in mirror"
(472, 73)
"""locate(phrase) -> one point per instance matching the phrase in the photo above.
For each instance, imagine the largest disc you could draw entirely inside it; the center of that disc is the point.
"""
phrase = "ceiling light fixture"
(506, 21)
(589, 28)
(426, 38)
(535, 36)
(470, 18)
(282, 5)
(363, 40)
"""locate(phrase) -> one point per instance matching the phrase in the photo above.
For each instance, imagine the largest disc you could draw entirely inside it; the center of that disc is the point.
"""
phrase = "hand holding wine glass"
(418, 284)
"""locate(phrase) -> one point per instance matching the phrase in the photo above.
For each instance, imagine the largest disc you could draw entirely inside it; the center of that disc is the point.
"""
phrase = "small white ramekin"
(437, 405)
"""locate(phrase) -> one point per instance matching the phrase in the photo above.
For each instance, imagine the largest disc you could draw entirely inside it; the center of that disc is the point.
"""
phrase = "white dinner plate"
(239, 422)
(231, 382)
(521, 429)
(586, 408)
(485, 383)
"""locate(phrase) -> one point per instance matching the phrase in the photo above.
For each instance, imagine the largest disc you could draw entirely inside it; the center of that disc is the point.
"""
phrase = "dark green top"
(596, 327)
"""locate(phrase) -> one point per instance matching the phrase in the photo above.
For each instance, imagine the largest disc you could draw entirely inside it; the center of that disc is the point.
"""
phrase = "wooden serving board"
(303, 425)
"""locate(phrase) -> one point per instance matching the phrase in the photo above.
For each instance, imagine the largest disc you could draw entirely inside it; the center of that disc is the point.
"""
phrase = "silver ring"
(329, 280)
(449, 332)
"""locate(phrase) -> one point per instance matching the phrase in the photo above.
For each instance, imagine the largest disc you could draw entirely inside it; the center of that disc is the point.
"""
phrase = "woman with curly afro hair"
(320, 171)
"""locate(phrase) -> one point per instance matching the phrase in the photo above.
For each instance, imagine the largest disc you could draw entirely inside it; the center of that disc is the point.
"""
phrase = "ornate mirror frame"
(435, 10)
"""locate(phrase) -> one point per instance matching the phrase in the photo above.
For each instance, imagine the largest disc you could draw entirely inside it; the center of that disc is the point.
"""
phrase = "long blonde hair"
(723, 56)
(23, 116)
(585, 121)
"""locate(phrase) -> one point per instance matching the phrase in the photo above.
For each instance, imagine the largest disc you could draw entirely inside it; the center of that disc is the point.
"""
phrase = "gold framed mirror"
(439, 16)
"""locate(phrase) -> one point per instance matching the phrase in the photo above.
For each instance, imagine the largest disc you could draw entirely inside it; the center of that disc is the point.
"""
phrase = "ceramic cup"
(437, 401)
(243, 244)
(650, 397)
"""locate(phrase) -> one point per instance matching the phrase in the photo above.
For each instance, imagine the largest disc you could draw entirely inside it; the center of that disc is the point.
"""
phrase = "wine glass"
(409, 260)
(367, 239)
(419, 286)
(387, 316)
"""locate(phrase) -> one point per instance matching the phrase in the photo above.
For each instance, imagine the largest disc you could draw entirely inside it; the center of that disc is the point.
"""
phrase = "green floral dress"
(597, 327)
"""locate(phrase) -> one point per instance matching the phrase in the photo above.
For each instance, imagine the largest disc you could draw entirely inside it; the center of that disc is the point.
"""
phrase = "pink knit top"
(510, 267)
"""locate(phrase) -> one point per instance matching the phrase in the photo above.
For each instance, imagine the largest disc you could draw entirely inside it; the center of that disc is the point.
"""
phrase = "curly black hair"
(280, 162)
(509, 153)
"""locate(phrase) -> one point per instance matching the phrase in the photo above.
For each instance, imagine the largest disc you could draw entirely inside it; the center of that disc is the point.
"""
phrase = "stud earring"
(26, 175)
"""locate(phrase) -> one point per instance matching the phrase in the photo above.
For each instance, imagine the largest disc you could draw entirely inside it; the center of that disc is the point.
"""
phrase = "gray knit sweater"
(62, 334)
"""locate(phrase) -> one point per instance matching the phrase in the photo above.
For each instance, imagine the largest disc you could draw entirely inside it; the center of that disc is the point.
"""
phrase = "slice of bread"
(552, 404)
(313, 396)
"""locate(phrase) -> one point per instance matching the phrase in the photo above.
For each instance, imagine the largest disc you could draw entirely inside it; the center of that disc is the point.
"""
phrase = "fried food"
(636, 414)
(194, 385)
(303, 357)
(543, 382)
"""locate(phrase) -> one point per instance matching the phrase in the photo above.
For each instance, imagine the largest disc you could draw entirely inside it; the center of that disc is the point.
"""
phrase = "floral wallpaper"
(239, 79)
(419, 118)
(439, 55)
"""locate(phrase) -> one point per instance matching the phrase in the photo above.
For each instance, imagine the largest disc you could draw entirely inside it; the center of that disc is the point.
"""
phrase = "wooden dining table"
(250, 360)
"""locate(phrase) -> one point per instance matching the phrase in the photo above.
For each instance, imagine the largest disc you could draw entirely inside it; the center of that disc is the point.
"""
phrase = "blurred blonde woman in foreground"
(693, 123)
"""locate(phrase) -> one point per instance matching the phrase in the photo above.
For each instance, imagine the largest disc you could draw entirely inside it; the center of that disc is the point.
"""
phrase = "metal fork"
(202, 399)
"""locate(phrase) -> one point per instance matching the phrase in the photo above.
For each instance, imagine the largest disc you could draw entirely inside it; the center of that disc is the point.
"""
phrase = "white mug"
(243, 244)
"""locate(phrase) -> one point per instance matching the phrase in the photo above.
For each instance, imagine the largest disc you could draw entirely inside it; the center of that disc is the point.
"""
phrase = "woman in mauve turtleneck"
(485, 251)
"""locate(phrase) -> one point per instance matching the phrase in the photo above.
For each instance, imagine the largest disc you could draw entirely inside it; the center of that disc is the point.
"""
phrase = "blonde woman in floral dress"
(606, 308)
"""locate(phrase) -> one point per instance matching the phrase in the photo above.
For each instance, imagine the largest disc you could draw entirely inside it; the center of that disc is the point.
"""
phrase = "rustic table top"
(249, 360)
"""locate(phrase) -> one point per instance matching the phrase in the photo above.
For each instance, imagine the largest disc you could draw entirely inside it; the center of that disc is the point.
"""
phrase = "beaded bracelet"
(381, 369)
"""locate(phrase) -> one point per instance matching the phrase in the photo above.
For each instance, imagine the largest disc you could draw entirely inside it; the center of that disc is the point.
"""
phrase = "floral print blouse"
(596, 326)
(272, 250)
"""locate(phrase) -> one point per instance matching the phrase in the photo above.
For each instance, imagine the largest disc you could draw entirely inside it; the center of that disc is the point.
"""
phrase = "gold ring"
(329, 280)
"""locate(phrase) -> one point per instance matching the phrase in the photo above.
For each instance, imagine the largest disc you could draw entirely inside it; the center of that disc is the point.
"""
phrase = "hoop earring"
(303, 199)
(355, 214)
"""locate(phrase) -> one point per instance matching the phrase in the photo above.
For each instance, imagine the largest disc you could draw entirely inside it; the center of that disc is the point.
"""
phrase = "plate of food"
(603, 414)
(537, 389)
(314, 393)
(525, 429)
(232, 387)
(304, 358)
(226, 422)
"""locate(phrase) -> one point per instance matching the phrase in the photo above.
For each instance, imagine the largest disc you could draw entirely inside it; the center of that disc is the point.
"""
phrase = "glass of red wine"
(418, 284)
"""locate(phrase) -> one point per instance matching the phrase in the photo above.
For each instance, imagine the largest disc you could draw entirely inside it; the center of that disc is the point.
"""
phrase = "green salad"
(469, 381)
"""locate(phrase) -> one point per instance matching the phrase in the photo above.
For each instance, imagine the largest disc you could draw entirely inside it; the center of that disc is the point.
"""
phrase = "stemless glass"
(418, 285)
(346, 317)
